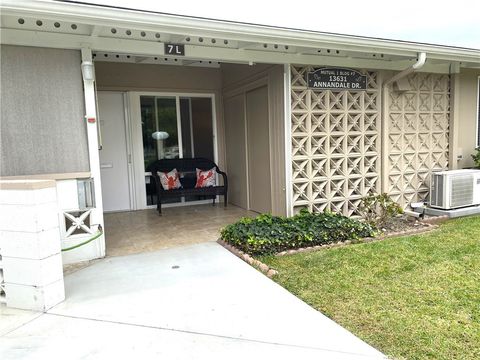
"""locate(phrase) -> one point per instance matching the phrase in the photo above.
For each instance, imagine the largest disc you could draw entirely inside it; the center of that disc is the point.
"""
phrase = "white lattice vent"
(77, 222)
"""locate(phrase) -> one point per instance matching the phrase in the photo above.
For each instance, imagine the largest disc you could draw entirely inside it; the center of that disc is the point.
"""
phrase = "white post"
(94, 157)
(288, 139)
(454, 150)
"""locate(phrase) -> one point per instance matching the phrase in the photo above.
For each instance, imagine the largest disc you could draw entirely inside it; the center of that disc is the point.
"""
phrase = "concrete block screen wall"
(417, 136)
(337, 139)
(335, 144)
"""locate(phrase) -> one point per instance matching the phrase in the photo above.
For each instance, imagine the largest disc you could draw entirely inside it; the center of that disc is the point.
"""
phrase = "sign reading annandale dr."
(336, 79)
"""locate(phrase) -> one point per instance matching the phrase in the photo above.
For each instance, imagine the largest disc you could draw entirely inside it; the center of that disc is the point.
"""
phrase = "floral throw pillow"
(205, 178)
(170, 180)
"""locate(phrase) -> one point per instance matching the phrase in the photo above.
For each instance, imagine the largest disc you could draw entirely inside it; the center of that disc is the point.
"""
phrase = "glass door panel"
(160, 136)
(175, 127)
(186, 123)
(200, 121)
(166, 136)
(149, 126)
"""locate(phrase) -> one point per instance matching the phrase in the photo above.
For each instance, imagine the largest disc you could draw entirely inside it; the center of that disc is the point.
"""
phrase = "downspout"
(422, 57)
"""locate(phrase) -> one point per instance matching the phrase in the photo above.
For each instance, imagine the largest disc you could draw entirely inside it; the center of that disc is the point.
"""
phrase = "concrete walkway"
(195, 302)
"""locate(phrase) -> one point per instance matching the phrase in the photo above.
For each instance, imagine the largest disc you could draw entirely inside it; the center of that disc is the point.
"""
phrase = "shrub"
(267, 234)
(476, 158)
(378, 209)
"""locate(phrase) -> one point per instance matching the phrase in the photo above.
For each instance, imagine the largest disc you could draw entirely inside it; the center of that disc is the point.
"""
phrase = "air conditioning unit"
(455, 189)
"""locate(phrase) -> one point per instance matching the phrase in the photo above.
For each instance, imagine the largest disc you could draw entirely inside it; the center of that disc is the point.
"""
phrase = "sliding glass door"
(172, 127)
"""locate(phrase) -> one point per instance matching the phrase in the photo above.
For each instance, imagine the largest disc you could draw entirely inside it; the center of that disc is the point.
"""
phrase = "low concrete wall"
(30, 249)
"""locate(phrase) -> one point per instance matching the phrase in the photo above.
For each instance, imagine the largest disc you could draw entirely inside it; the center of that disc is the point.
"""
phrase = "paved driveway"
(195, 302)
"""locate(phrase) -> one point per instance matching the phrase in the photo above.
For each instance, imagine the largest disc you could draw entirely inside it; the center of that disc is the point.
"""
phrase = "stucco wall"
(148, 77)
(467, 127)
(43, 128)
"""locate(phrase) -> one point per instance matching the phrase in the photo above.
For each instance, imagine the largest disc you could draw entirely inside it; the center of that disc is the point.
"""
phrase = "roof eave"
(99, 15)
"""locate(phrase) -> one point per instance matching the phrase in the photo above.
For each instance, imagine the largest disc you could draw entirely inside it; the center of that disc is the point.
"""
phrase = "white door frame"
(128, 135)
(138, 164)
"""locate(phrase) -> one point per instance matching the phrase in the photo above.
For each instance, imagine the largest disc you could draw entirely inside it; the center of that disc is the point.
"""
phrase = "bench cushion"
(206, 178)
(170, 180)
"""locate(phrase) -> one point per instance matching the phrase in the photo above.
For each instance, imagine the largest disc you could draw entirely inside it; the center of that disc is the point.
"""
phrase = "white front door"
(114, 158)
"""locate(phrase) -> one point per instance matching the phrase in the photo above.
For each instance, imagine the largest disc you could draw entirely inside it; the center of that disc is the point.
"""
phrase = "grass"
(415, 297)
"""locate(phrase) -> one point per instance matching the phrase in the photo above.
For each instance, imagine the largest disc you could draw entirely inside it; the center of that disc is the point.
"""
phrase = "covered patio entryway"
(230, 114)
(139, 231)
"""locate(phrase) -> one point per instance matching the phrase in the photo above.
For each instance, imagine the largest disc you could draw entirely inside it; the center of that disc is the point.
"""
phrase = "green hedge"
(267, 234)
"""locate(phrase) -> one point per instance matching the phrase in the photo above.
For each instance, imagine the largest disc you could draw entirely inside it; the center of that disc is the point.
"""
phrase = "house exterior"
(296, 118)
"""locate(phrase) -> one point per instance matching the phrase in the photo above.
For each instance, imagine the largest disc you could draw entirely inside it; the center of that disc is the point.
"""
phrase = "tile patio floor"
(141, 231)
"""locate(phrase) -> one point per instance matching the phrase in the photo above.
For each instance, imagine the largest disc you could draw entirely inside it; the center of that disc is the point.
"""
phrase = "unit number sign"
(175, 49)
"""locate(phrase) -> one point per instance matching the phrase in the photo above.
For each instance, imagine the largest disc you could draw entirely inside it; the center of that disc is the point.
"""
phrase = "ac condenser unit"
(455, 189)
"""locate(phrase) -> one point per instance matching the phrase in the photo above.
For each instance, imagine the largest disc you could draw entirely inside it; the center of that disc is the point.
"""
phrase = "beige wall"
(238, 80)
(467, 115)
(148, 77)
(236, 148)
(165, 78)
(258, 150)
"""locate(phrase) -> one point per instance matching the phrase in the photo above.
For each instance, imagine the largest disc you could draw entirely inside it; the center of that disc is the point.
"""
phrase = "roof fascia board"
(151, 48)
(97, 15)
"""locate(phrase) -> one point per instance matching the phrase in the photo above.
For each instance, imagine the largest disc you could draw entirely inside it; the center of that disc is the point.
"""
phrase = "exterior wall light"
(88, 72)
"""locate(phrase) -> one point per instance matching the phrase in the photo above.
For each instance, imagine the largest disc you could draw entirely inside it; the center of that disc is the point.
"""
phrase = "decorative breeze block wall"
(418, 131)
(335, 144)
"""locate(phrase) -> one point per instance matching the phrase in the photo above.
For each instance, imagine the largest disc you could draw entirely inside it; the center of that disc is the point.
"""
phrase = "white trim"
(288, 139)
(214, 128)
(192, 143)
(137, 153)
(246, 158)
(478, 113)
(241, 33)
(179, 126)
(216, 53)
(96, 216)
(128, 137)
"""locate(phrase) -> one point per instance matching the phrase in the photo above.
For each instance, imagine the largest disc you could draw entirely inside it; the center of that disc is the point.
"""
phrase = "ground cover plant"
(267, 234)
(414, 297)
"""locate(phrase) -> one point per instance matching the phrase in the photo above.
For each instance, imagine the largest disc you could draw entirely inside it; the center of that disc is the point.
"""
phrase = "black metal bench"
(188, 178)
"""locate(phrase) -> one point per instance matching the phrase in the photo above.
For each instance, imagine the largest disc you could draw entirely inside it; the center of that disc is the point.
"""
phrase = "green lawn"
(415, 297)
